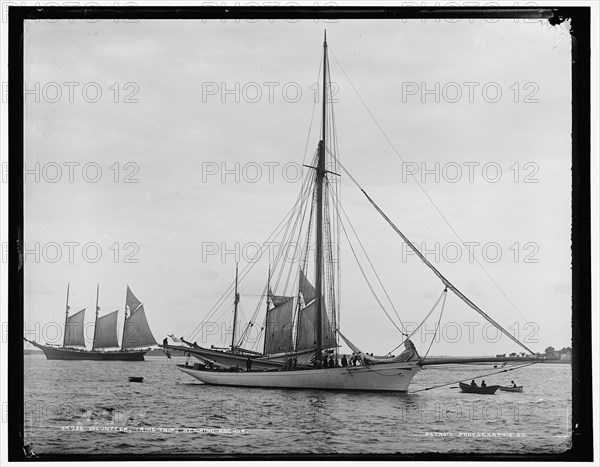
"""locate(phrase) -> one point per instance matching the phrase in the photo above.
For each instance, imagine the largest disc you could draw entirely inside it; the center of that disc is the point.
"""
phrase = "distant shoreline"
(160, 352)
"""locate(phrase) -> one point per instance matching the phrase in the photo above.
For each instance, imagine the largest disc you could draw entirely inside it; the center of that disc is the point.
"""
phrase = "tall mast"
(125, 320)
(235, 307)
(267, 313)
(320, 177)
(96, 322)
(66, 317)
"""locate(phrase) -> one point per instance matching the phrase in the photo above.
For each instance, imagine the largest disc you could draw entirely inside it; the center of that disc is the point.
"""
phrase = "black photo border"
(582, 436)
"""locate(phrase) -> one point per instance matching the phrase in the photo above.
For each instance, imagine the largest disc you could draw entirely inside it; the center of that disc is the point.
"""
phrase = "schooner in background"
(136, 340)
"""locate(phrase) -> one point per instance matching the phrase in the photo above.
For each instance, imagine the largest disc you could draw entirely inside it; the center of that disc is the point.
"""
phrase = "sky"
(164, 123)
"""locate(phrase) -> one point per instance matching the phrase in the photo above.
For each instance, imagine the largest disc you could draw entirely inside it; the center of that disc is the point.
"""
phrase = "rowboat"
(136, 379)
(477, 389)
(511, 388)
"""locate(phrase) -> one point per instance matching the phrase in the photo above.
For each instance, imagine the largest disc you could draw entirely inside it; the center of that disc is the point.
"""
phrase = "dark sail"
(277, 299)
(74, 330)
(137, 332)
(131, 301)
(105, 334)
(306, 333)
(278, 328)
(306, 289)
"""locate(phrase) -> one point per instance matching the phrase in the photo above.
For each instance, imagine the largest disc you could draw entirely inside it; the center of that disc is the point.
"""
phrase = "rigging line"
(299, 218)
(421, 324)
(338, 190)
(246, 269)
(293, 288)
(330, 271)
(367, 281)
(429, 197)
(446, 282)
(302, 207)
(252, 320)
(313, 112)
(372, 266)
(301, 214)
(437, 328)
(475, 377)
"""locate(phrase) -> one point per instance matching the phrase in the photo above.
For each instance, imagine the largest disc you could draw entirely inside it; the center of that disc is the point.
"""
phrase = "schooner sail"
(136, 334)
(278, 328)
(74, 330)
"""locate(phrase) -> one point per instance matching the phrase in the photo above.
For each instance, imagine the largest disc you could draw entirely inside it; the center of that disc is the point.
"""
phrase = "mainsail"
(137, 333)
(278, 327)
(306, 332)
(105, 334)
(74, 329)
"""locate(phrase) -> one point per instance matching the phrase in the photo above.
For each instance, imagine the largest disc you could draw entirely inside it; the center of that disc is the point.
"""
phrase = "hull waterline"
(60, 353)
(395, 377)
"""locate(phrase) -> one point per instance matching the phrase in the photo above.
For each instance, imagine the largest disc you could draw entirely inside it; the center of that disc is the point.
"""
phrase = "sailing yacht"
(301, 328)
(135, 343)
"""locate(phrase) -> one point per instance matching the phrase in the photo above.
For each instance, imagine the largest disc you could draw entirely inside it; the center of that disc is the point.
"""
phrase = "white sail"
(137, 332)
(105, 334)
(74, 329)
(278, 328)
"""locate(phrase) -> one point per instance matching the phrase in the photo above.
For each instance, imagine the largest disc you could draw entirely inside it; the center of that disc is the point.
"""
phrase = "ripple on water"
(60, 394)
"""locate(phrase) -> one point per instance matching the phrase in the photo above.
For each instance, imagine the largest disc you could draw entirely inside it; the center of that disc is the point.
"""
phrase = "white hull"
(381, 377)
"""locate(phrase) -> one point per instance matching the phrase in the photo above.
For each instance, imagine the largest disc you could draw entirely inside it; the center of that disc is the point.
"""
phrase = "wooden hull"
(60, 353)
(477, 389)
(394, 377)
(511, 389)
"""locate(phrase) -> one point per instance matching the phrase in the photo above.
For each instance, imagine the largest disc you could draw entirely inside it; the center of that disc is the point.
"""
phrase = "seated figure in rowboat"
(473, 383)
(513, 384)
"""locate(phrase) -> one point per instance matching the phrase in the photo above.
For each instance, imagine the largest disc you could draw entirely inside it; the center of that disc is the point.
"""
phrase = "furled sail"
(137, 333)
(277, 299)
(306, 289)
(74, 329)
(131, 301)
(410, 353)
(306, 332)
(105, 334)
(278, 327)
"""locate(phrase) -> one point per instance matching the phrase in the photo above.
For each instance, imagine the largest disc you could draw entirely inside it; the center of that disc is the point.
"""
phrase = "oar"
(453, 387)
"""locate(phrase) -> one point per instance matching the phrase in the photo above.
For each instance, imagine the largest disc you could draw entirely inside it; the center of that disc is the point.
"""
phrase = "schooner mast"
(236, 300)
(66, 317)
(96, 322)
(319, 186)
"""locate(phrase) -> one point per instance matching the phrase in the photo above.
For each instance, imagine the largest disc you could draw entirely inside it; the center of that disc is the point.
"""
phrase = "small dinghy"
(136, 379)
(511, 388)
(477, 389)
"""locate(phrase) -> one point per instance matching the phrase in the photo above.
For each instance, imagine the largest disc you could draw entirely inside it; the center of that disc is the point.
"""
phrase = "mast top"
(325, 37)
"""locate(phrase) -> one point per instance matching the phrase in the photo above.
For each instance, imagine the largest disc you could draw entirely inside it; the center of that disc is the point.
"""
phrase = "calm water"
(91, 408)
